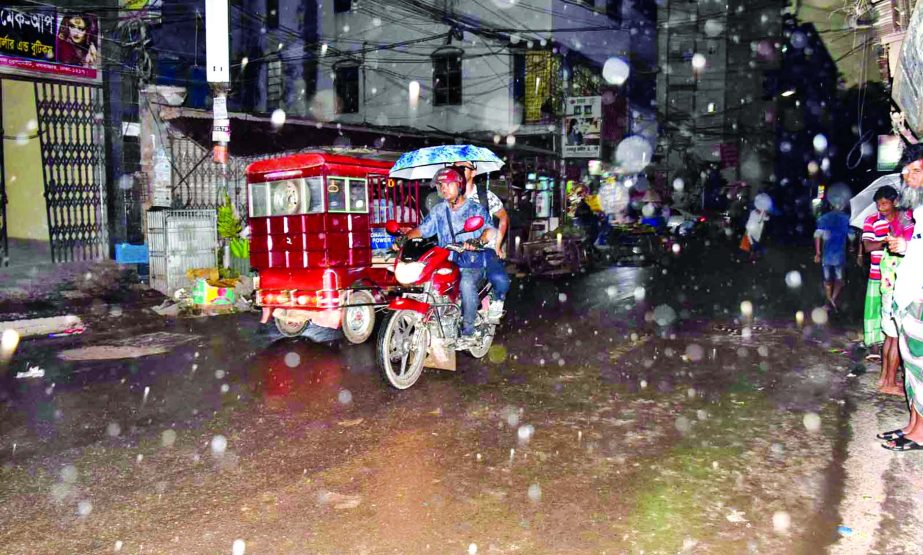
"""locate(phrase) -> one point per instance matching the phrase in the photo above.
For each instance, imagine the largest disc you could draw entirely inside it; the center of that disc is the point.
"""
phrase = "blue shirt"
(437, 223)
(835, 228)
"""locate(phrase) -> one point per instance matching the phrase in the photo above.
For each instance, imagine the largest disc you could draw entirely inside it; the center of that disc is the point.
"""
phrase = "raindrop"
(511, 140)
(683, 425)
(746, 308)
(798, 40)
(799, 317)
(219, 374)
(413, 90)
(512, 416)
(84, 508)
(9, 340)
(376, 21)
(473, 549)
(701, 414)
(168, 438)
(615, 71)
(69, 474)
(813, 167)
(781, 522)
(676, 248)
(820, 142)
(648, 210)
(612, 291)
(763, 351)
(811, 422)
(562, 297)
(785, 146)
(819, 316)
(698, 62)
(118, 545)
(640, 293)
(633, 154)
(664, 315)
(496, 354)
(514, 39)
(763, 202)
(535, 493)
(225, 388)
(113, 429)
(219, 444)
(525, 432)
(713, 28)
(793, 279)
(694, 352)
(679, 185)
(239, 547)
(643, 384)
(292, 359)
(345, 397)
(278, 117)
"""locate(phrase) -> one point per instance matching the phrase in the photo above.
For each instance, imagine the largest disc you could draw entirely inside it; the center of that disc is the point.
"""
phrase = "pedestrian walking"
(830, 251)
(908, 305)
(874, 232)
(754, 231)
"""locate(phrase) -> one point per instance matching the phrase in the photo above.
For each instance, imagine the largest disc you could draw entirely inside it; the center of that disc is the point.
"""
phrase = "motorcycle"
(423, 326)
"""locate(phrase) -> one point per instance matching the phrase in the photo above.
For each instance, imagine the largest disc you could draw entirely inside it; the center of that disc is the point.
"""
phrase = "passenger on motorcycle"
(446, 221)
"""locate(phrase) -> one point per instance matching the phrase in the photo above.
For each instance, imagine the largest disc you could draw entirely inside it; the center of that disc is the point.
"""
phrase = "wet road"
(628, 410)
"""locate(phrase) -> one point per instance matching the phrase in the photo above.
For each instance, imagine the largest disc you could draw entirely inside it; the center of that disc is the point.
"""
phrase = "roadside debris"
(32, 372)
(44, 326)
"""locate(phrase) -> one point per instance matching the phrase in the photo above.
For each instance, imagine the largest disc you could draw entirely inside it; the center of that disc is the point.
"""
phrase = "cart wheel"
(290, 328)
(358, 321)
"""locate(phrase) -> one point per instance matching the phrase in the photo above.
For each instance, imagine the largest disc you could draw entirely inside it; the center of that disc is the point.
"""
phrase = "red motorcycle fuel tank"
(446, 279)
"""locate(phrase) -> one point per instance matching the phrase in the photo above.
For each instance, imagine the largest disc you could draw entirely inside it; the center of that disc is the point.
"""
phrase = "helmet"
(447, 175)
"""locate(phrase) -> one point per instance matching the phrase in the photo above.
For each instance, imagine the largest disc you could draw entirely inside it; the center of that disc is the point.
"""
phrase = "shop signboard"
(907, 90)
(582, 125)
(49, 42)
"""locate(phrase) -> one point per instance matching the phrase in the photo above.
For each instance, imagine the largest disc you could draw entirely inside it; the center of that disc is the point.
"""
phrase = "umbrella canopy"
(425, 162)
(862, 205)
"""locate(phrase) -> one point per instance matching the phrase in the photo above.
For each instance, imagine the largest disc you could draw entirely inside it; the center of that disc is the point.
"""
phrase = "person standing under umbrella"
(875, 230)
(908, 305)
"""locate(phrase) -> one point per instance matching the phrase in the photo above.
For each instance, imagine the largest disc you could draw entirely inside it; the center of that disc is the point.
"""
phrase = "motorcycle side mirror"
(392, 227)
(474, 223)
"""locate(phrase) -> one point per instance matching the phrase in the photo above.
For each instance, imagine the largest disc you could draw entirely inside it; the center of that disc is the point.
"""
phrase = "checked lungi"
(911, 346)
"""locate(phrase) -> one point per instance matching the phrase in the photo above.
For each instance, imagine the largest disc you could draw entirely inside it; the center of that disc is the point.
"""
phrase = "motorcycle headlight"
(408, 273)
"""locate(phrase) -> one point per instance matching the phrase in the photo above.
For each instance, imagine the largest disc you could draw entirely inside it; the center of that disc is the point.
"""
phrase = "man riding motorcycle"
(446, 221)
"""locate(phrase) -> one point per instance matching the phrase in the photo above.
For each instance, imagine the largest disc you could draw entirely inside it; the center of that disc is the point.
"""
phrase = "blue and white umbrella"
(425, 162)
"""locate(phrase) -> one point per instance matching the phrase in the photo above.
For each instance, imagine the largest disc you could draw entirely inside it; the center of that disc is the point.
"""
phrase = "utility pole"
(218, 75)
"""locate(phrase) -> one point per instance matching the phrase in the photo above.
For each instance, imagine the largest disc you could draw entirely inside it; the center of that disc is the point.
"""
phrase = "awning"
(254, 135)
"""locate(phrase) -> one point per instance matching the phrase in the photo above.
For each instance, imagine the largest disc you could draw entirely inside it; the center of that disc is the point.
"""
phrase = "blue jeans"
(471, 279)
(496, 275)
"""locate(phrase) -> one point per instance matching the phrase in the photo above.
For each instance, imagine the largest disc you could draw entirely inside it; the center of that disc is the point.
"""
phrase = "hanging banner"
(48, 42)
(582, 124)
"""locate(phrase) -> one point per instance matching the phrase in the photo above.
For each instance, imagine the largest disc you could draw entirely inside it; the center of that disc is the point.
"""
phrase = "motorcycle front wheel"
(487, 339)
(402, 344)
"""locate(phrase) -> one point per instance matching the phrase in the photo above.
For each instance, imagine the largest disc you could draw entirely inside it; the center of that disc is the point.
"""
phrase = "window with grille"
(447, 77)
(274, 84)
(346, 80)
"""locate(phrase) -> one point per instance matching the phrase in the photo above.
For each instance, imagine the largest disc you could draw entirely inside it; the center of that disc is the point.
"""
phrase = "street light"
(789, 92)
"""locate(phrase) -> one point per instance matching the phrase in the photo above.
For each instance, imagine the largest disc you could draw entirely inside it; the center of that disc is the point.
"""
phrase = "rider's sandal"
(902, 444)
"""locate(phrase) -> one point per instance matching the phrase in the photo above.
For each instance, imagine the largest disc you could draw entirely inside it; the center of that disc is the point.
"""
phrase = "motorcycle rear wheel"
(402, 344)
(487, 339)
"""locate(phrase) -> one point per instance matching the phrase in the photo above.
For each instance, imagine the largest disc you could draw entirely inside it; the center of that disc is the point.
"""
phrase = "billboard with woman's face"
(46, 41)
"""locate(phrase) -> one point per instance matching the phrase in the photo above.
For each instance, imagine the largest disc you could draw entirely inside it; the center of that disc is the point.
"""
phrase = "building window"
(447, 76)
(342, 6)
(346, 80)
(274, 84)
(272, 14)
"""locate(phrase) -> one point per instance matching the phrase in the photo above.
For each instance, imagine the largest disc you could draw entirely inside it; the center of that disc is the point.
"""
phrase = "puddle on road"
(135, 347)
